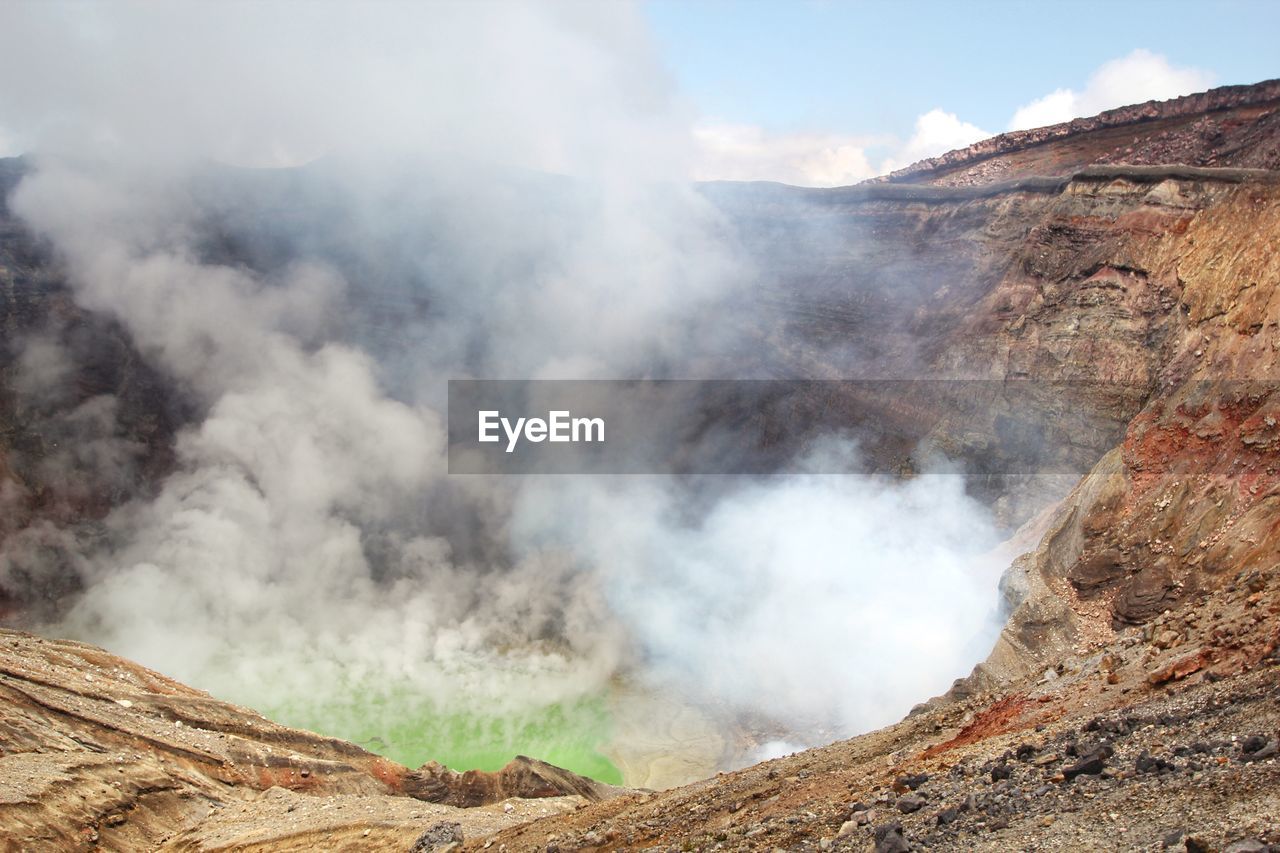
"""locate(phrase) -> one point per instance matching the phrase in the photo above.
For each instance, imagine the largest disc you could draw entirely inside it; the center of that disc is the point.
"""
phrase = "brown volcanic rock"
(522, 777)
(1099, 570)
(61, 696)
(1146, 595)
(1195, 489)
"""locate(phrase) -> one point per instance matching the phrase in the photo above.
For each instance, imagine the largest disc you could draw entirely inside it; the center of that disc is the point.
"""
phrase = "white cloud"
(742, 152)
(749, 153)
(1055, 107)
(1140, 76)
(937, 132)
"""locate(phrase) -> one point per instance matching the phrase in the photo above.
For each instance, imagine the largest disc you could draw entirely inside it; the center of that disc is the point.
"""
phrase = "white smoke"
(832, 602)
(303, 545)
(562, 86)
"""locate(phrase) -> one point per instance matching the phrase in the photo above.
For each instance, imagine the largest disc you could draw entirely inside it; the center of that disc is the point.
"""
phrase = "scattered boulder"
(1145, 596)
(1179, 669)
(1247, 845)
(910, 782)
(441, 837)
(1147, 763)
(1257, 748)
(1090, 765)
(1196, 845)
(948, 815)
(889, 839)
(911, 803)
(1253, 743)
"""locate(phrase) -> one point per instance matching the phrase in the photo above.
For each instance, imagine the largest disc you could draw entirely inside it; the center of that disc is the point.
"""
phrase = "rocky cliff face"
(1189, 498)
(1138, 307)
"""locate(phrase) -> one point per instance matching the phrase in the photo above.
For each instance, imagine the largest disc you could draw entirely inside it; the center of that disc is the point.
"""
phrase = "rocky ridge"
(1227, 126)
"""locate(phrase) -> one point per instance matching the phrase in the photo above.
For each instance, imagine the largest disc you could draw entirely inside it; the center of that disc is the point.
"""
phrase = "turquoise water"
(569, 735)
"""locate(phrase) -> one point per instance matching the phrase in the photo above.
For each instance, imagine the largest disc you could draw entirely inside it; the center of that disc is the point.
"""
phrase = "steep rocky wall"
(1152, 292)
(1085, 292)
(1191, 499)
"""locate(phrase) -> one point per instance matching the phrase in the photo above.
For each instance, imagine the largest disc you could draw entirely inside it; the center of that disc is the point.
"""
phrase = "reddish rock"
(1179, 669)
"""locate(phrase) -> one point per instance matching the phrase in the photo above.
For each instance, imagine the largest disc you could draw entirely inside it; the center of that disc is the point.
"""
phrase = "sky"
(826, 92)
(811, 92)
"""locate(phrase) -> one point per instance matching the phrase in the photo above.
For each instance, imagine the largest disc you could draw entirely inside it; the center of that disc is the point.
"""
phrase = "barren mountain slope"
(1167, 735)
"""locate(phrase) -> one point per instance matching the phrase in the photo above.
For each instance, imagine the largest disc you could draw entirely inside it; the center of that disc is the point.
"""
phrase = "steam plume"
(308, 542)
